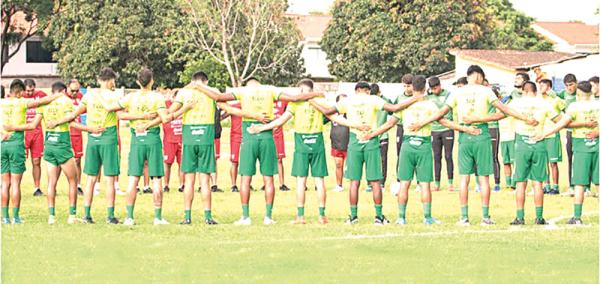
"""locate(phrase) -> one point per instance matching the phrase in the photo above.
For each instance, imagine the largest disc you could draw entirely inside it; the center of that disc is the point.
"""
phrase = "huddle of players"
(196, 104)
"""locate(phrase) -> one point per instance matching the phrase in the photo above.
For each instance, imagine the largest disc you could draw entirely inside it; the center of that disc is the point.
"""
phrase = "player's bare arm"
(455, 126)
(404, 104)
(322, 107)
(257, 128)
(24, 127)
(241, 113)
(300, 97)
(509, 111)
(381, 129)
(435, 117)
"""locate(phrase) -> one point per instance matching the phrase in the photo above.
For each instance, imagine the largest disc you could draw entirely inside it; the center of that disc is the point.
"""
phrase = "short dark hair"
(251, 79)
(475, 69)
(529, 86)
(144, 76)
(462, 81)
(199, 76)
(306, 82)
(337, 99)
(584, 86)
(362, 85)
(594, 79)
(524, 76)
(434, 81)
(407, 79)
(58, 87)
(546, 82)
(29, 83)
(107, 74)
(375, 89)
(419, 83)
(570, 78)
(17, 86)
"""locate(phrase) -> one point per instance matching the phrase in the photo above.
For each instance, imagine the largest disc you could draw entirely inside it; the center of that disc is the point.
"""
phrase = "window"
(36, 53)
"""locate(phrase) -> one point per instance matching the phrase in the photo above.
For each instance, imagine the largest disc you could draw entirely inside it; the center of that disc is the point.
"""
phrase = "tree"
(21, 20)
(125, 35)
(249, 38)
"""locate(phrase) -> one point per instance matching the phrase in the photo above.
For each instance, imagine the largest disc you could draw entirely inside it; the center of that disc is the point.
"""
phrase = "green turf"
(36, 252)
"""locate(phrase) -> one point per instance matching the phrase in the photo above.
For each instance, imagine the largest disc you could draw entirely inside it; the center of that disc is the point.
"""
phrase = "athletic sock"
(207, 214)
(555, 186)
(245, 210)
(402, 211)
(450, 181)
(378, 209)
(464, 212)
(187, 214)
(129, 211)
(521, 214)
(508, 180)
(88, 211)
(110, 212)
(577, 210)
(300, 212)
(427, 210)
(51, 211)
(539, 212)
(72, 210)
(486, 211)
(269, 212)
(322, 211)
(16, 213)
(437, 184)
(353, 211)
(5, 212)
(158, 213)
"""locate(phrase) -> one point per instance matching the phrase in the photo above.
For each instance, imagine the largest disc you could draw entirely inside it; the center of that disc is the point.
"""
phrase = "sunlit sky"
(542, 10)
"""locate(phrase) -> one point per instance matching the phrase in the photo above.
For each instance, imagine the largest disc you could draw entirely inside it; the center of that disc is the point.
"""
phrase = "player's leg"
(147, 188)
(206, 198)
(156, 170)
(569, 147)
(424, 168)
(353, 173)
(403, 201)
(36, 171)
(78, 175)
(207, 166)
(131, 198)
(585, 168)
(383, 150)
(538, 200)
(70, 170)
(111, 166)
(248, 156)
(353, 197)
(281, 175)
(520, 202)
(318, 169)
(483, 153)
(53, 171)
(267, 158)
(15, 187)
(322, 198)
(245, 199)
(448, 143)
(374, 176)
(91, 168)
(300, 196)
(339, 173)
(5, 194)
(167, 176)
(484, 183)
(495, 134)
(437, 144)
(188, 194)
(269, 199)
(466, 167)
(233, 173)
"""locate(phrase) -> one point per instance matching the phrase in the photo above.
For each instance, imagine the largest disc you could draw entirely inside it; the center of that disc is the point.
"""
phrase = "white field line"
(551, 226)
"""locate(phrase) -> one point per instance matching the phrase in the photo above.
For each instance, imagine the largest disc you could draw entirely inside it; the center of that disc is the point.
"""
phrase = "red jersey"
(31, 112)
(76, 100)
(173, 129)
(236, 125)
(278, 110)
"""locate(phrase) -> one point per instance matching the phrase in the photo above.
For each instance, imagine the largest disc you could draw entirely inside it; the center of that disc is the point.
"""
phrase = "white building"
(570, 37)
(312, 28)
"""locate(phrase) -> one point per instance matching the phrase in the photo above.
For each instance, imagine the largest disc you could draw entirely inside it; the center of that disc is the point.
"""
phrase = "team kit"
(522, 127)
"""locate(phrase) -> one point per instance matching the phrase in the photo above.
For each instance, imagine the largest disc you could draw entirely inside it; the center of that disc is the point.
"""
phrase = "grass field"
(38, 253)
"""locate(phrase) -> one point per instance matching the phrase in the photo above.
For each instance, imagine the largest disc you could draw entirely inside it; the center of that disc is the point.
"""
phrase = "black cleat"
(186, 222)
(137, 190)
(180, 189)
(38, 192)
(88, 220)
(199, 189)
(147, 190)
(252, 188)
(554, 192)
(381, 220)
(215, 188)
(262, 188)
(575, 221)
(517, 222)
(210, 222)
(112, 221)
(541, 221)
(284, 187)
(235, 189)
(351, 220)
(166, 189)
(79, 191)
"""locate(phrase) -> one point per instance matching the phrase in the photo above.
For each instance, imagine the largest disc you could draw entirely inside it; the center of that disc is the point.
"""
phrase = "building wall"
(583, 68)
(18, 68)
(315, 61)
(495, 75)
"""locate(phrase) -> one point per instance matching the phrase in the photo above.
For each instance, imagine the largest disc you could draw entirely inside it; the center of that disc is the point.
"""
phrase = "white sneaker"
(159, 222)
(418, 188)
(269, 221)
(119, 192)
(395, 188)
(463, 222)
(243, 222)
(51, 220)
(401, 221)
(338, 188)
(116, 185)
(72, 219)
(96, 188)
(128, 222)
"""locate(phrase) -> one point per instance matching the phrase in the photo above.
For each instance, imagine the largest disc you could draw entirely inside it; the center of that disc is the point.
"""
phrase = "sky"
(542, 10)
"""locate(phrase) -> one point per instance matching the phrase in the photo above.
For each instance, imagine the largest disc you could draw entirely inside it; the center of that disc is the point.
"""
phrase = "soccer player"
(474, 100)
(361, 109)
(172, 145)
(279, 110)
(235, 142)
(382, 117)
(34, 139)
(218, 129)
(256, 107)
(309, 149)
(339, 136)
(582, 117)
(461, 82)
(76, 136)
(506, 127)
(569, 95)
(520, 79)
(495, 136)
(553, 144)
(102, 148)
(595, 91)
(13, 110)
(442, 136)
(416, 155)
(407, 94)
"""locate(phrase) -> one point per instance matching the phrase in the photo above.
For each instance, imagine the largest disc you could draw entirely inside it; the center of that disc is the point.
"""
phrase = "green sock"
(555, 186)
(51, 211)
(427, 210)
(402, 211)
(464, 212)
(353, 210)
(521, 214)
(187, 214)
(322, 211)
(207, 214)
(129, 211)
(539, 212)
(378, 210)
(508, 180)
(88, 211)
(5, 212)
(269, 212)
(16, 213)
(437, 184)
(486, 211)
(158, 213)
(110, 211)
(300, 212)
(577, 211)
(245, 210)
(72, 210)
(450, 181)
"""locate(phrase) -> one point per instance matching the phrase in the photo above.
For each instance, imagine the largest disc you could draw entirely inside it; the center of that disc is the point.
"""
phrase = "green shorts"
(585, 168)
(309, 152)
(531, 160)
(262, 150)
(139, 154)
(416, 158)
(105, 155)
(198, 159)
(57, 150)
(13, 157)
(554, 149)
(507, 148)
(367, 154)
(471, 153)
